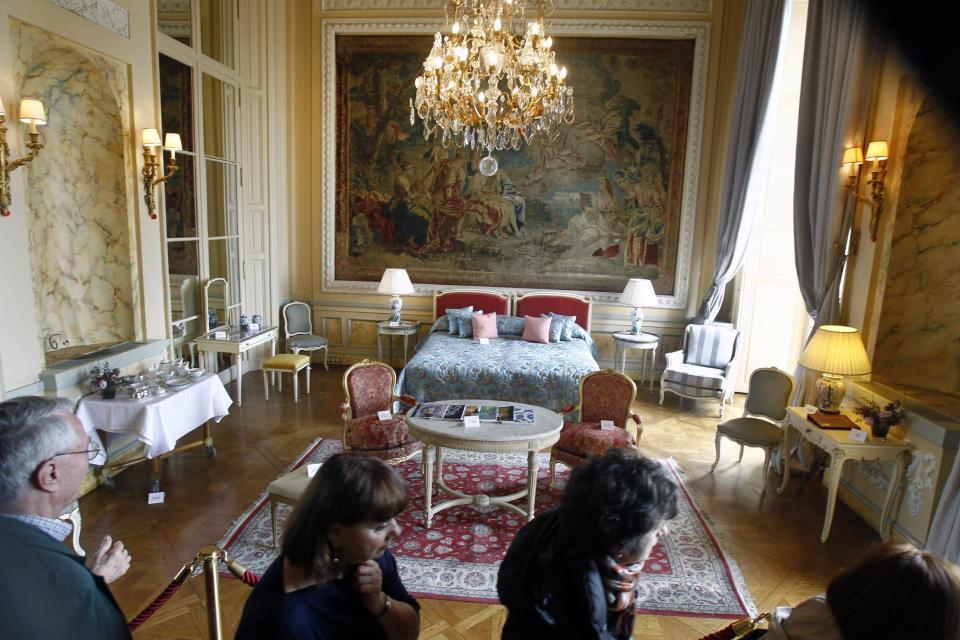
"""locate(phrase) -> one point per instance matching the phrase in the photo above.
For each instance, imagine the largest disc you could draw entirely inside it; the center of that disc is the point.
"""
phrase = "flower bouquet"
(882, 419)
(105, 379)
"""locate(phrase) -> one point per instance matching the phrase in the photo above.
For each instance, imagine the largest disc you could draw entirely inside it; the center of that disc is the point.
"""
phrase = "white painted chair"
(298, 331)
(706, 367)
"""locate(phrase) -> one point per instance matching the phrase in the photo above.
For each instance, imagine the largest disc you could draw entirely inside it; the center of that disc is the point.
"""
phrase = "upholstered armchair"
(706, 367)
(298, 331)
(763, 415)
(604, 395)
(369, 389)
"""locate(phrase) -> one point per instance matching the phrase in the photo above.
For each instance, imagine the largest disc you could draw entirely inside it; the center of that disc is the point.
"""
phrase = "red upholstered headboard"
(567, 304)
(481, 299)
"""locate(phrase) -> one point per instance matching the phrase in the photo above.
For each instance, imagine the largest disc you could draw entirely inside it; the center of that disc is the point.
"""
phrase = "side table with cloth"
(159, 421)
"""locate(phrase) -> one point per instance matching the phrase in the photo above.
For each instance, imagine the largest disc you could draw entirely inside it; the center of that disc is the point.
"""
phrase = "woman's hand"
(368, 582)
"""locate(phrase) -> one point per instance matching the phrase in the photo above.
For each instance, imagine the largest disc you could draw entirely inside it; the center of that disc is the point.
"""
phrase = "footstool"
(286, 363)
(287, 489)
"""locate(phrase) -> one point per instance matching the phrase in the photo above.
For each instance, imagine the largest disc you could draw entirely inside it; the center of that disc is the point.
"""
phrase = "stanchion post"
(211, 559)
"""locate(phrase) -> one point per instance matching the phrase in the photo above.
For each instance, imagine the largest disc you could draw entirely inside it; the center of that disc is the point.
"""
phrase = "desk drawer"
(811, 434)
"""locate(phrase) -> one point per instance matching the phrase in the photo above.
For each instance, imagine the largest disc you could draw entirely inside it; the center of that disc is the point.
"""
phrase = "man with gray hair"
(45, 590)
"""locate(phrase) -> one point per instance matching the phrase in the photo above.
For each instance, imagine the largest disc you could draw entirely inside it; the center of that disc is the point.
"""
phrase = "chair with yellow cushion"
(286, 363)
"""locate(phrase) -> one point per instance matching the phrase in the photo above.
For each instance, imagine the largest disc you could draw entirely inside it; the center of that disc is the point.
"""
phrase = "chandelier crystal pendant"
(493, 82)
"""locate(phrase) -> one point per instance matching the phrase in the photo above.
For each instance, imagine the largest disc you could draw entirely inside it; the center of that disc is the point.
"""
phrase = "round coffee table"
(489, 437)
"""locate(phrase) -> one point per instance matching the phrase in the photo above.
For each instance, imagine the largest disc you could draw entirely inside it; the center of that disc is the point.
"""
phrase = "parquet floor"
(773, 538)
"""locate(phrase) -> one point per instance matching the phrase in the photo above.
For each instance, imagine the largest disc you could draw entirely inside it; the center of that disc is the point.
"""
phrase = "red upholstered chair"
(604, 395)
(369, 389)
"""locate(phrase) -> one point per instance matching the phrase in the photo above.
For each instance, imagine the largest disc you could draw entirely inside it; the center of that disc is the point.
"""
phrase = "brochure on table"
(485, 412)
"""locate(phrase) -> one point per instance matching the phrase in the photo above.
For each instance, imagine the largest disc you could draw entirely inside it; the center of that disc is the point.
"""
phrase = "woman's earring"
(334, 555)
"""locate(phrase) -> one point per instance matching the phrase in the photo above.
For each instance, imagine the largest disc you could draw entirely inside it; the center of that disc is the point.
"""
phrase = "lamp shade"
(171, 142)
(31, 112)
(852, 155)
(877, 150)
(836, 350)
(639, 293)
(395, 282)
(3, 112)
(151, 138)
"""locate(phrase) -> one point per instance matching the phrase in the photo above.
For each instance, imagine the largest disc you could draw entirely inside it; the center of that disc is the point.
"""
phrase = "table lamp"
(835, 351)
(395, 282)
(638, 294)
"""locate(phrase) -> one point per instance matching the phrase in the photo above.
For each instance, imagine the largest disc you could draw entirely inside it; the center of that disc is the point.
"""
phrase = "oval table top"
(498, 437)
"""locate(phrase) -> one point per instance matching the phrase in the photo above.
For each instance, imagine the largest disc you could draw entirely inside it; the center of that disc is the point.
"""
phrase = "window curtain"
(834, 59)
(944, 538)
(748, 152)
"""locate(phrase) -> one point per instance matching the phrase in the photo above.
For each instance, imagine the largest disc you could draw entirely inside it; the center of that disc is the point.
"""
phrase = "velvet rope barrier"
(167, 593)
(246, 576)
(738, 629)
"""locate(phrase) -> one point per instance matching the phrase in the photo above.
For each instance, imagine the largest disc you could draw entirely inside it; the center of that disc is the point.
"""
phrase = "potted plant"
(105, 379)
(881, 419)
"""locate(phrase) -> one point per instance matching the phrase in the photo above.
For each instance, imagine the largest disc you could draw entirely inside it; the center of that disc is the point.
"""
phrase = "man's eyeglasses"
(92, 453)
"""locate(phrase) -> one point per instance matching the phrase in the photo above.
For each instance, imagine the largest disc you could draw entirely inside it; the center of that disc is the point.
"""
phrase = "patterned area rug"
(688, 573)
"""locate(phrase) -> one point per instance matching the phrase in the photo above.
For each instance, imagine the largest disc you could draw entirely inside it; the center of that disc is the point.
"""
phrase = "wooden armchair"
(604, 395)
(369, 389)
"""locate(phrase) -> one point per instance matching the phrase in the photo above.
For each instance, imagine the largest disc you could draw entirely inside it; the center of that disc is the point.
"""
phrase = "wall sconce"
(853, 157)
(31, 113)
(151, 164)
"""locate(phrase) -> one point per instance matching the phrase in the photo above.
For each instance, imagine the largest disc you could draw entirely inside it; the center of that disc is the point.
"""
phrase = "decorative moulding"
(105, 13)
(697, 31)
(662, 6)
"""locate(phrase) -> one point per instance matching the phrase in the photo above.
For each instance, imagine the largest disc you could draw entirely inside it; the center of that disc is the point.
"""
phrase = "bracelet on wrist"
(386, 607)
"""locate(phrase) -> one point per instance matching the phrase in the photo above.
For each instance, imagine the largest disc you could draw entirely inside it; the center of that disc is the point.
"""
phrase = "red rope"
(250, 578)
(160, 600)
(727, 633)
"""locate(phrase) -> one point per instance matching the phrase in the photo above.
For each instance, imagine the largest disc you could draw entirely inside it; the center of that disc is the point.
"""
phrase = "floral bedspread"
(546, 375)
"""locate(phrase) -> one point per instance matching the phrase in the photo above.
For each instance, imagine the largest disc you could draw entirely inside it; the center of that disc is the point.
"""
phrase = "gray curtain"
(748, 146)
(944, 538)
(836, 56)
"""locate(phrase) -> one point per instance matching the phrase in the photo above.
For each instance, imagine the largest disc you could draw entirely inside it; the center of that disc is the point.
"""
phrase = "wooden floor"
(775, 539)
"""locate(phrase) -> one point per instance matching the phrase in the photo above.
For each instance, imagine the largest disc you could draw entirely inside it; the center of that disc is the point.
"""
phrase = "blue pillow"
(442, 324)
(556, 327)
(509, 325)
(464, 322)
(568, 323)
(453, 325)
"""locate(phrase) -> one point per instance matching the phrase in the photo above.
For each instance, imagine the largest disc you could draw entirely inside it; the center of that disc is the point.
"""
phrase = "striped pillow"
(710, 345)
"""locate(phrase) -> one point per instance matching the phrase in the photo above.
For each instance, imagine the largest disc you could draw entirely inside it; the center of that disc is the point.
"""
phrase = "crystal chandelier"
(493, 82)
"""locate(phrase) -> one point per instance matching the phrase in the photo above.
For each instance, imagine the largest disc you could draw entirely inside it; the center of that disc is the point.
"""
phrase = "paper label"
(253, 326)
(393, 324)
(857, 435)
(607, 425)
(313, 468)
(156, 497)
(484, 340)
(219, 335)
(471, 421)
(384, 415)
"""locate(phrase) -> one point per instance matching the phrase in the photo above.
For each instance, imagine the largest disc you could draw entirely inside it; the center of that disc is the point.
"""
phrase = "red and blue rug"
(688, 574)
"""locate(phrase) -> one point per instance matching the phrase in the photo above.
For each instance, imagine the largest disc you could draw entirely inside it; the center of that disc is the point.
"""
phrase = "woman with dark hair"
(895, 592)
(574, 571)
(335, 577)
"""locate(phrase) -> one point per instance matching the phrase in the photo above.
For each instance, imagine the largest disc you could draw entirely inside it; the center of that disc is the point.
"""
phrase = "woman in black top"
(335, 577)
(574, 571)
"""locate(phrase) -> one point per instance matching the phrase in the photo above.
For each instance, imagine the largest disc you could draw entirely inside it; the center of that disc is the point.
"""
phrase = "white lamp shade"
(3, 111)
(837, 350)
(853, 155)
(877, 150)
(151, 138)
(31, 112)
(171, 141)
(639, 293)
(395, 282)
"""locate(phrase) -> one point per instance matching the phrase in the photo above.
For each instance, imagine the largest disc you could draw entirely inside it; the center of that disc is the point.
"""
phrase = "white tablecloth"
(158, 421)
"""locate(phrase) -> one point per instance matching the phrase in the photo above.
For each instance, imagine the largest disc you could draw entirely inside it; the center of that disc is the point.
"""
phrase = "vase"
(881, 429)
(109, 393)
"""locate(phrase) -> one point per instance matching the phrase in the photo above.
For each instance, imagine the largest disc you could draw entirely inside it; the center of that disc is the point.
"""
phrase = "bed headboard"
(567, 304)
(481, 299)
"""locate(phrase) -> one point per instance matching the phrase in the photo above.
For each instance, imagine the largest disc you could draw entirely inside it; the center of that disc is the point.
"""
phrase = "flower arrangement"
(105, 379)
(882, 419)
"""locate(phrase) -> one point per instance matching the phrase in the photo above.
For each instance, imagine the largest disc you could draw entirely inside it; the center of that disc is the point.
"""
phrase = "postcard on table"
(471, 410)
(453, 412)
(488, 413)
(524, 416)
(432, 411)
(505, 414)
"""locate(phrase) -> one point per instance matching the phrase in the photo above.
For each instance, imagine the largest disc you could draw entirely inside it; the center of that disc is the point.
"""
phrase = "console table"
(838, 446)
(235, 342)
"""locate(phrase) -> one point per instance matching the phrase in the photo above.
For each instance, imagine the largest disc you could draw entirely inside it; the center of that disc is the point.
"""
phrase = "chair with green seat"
(286, 363)
(763, 416)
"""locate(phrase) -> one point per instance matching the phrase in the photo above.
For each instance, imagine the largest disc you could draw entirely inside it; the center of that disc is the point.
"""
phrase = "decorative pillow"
(569, 322)
(484, 325)
(556, 327)
(453, 325)
(536, 329)
(509, 326)
(440, 325)
(710, 345)
(464, 322)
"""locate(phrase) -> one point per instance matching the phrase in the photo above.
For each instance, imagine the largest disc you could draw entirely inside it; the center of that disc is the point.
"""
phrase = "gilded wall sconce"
(32, 114)
(152, 161)
(853, 157)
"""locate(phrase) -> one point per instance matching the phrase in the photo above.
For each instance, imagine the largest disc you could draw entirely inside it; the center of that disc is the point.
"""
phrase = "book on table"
(831, 421)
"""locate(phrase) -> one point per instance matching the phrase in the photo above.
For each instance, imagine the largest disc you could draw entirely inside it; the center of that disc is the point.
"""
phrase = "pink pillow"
(484, 325)
(536, 329)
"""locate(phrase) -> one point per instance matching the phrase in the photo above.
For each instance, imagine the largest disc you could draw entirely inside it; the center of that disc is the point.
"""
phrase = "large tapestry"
(599, 204)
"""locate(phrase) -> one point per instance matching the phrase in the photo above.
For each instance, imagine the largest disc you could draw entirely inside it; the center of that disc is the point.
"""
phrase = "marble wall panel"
(917, 341)
(84, 267)
(105, 13)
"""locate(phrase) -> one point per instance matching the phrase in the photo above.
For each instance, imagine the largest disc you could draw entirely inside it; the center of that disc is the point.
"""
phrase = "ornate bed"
(508, 368)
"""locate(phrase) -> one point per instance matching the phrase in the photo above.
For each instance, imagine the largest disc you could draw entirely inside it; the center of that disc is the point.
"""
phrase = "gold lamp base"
(830, 391)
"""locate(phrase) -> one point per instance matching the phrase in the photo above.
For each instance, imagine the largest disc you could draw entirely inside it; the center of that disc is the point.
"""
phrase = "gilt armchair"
(604, 395)
(369, 389)
(706, 367)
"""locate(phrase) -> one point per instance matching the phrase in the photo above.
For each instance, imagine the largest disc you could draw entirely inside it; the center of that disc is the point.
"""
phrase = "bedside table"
(404, 329)
(625, 340)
